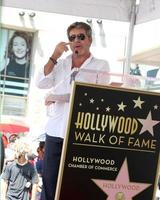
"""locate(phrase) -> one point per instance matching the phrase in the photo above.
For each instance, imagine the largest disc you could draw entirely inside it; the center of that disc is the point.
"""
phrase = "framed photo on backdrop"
(15, 61)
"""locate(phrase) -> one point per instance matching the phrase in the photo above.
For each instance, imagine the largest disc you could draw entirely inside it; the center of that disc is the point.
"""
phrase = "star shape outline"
(122, 177)
(147, 124)
(138, 103)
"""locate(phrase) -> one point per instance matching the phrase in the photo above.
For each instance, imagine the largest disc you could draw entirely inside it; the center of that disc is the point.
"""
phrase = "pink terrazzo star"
(121, 188)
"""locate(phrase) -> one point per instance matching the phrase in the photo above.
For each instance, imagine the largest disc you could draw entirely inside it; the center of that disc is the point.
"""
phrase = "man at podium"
(58, 74)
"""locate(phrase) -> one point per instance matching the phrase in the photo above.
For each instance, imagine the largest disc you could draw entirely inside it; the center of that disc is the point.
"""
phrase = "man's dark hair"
(82, 25)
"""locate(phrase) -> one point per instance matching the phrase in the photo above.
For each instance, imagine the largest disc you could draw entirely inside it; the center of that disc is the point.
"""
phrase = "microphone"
(74, 73)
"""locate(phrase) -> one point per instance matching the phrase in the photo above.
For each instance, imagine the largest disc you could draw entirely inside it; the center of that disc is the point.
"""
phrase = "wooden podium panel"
(112, 144)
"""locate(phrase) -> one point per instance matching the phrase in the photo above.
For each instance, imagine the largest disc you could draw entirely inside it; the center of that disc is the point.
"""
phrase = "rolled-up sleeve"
(6, 173)
(44, 82)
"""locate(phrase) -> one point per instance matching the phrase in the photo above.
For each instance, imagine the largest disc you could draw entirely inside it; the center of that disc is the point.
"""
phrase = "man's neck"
(78, 60)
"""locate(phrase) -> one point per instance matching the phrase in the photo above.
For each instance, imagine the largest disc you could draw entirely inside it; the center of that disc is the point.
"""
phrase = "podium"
(112, 144)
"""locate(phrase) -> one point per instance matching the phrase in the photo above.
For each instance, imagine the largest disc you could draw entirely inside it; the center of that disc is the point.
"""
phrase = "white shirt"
(59, 81)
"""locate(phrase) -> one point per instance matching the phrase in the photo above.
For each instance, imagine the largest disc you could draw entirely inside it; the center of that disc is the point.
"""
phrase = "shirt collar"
(88, 60)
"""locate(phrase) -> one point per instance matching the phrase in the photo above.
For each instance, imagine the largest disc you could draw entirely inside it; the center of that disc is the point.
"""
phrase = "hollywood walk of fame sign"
(112, 144)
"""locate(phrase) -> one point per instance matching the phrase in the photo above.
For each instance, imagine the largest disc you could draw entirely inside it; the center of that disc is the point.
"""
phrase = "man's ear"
(90, 39)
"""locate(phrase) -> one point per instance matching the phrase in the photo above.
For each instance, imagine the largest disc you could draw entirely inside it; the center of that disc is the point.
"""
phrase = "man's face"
(80, 42)
(21, 158)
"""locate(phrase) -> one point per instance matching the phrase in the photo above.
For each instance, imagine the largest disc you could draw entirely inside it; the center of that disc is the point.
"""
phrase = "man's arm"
(45, 79)
(4, 187)
(34, 191)
(60, 48)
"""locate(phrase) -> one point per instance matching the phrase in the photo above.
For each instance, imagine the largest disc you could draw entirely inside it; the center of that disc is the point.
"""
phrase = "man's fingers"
(66, 46)
(68, 43)
(47, 103)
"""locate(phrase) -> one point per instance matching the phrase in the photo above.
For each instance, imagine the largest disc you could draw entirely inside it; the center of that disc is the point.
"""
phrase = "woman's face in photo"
(19, 47)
